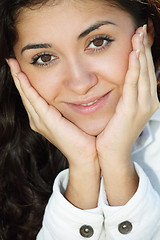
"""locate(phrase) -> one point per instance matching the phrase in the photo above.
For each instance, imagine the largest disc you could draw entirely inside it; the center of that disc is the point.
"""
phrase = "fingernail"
(7, 61)
(145, 28)
(137, 53)
(141, 34)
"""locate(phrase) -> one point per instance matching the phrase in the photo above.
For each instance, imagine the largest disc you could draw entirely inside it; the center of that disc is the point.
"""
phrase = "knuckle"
(132, 84)
(156, 105)
(149, 109)
(32, 126)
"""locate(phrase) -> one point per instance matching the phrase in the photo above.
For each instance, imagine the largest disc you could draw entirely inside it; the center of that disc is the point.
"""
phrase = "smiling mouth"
(89, 104)
(89, 107)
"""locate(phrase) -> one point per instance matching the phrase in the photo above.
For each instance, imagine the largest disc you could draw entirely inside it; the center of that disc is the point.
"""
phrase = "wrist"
(112, 157)
(83, 187)
(121, 182)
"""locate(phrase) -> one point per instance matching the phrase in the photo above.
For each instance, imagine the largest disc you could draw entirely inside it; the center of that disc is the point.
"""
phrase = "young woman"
(85, 72)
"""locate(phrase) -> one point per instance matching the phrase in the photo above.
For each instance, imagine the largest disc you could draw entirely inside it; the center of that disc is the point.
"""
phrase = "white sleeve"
(63, 221)
(139, 218)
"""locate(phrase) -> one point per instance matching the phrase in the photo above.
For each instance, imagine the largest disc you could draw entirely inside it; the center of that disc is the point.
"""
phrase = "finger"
(28, 94)
(15, 70)
(144, 82)
(131, 81)
(144, 93)
(153, 102)
(151, 68)
(39, 105)
(36, 107)
(41, 113)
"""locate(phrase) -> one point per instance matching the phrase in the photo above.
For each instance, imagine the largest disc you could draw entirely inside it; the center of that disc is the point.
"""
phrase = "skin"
(124, 67)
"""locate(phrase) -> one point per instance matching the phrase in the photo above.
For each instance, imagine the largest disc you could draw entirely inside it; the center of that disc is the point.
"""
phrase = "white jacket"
(139, 219)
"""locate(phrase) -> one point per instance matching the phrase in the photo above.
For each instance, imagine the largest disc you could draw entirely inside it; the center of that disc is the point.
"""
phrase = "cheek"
(117, 64)
(120, 65)
(113, 68)
(45, 83)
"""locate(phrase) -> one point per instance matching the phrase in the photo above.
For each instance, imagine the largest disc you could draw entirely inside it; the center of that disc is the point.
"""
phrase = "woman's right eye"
(43, 59)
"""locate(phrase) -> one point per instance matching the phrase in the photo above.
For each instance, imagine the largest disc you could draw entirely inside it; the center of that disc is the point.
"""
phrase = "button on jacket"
(136, 220)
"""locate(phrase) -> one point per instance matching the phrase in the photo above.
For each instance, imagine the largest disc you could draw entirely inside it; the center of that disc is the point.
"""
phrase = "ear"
(150, 31)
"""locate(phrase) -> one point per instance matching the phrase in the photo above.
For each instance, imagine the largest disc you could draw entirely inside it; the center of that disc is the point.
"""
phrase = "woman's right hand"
(78, 147)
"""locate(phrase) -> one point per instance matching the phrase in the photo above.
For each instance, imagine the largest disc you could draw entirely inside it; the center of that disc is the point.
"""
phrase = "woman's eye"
(43, 59)
(99, 43)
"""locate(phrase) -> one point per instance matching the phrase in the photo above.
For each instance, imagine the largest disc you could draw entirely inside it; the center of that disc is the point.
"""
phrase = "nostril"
(82, 81)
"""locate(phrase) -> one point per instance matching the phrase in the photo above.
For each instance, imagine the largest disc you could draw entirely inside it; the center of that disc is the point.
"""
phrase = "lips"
(91, 105)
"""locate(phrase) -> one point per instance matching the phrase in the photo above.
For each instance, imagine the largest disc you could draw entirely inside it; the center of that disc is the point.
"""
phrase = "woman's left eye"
(99, 43)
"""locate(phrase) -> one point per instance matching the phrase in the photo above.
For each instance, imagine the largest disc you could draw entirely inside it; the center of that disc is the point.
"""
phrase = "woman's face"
(76, 56)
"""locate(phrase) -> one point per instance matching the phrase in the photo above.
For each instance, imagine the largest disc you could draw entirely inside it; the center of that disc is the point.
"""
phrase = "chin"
(93, 126)
(94, 130)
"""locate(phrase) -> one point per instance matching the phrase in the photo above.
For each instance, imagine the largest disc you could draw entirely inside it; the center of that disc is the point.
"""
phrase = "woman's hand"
(68, 138)
(138, 102)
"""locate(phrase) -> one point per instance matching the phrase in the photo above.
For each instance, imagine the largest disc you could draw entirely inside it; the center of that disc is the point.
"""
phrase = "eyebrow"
(36, 46)
(83, 34)
(94, 27)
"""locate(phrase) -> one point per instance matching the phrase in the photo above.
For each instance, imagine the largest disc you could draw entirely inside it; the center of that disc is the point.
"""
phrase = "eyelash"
(40, 55)
(106, 38)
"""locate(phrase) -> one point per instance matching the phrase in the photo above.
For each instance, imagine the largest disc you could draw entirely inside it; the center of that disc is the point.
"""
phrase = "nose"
(80, 78)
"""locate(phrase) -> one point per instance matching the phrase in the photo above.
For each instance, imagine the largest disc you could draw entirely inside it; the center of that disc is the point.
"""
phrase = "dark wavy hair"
(28, 162)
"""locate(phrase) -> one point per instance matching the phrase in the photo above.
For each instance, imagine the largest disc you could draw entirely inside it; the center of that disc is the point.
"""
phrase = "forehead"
(80, 5)
(70, 17)
(60, 7)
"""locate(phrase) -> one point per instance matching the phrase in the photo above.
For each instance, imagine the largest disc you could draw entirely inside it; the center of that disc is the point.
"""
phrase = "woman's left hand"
(45, 119)
(137, 104)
